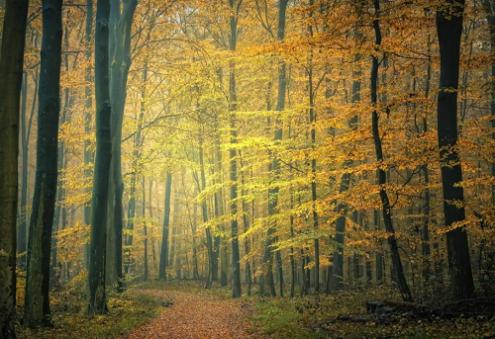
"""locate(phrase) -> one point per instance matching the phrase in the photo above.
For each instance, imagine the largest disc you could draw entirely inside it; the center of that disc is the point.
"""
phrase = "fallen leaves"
(197, 316)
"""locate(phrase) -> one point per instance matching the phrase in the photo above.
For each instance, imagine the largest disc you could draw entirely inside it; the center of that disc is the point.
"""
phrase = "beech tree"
(37, 303)
(97, 303)
(11, 67)
(449, 28)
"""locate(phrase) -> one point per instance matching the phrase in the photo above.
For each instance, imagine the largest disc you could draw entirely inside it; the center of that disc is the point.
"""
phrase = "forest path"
(195, 316)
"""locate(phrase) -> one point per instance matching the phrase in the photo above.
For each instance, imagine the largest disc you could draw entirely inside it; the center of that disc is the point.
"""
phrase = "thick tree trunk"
(99, 207)
(381, 174)
(449, 28)
(37, 305)
(11, 68)
(121, 18)
(164, 251)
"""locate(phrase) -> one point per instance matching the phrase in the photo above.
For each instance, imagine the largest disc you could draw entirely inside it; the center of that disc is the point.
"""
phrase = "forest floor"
(185, 310)
(198, 316)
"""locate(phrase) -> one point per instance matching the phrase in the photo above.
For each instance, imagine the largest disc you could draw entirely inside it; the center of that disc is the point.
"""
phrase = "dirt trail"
(194, 316)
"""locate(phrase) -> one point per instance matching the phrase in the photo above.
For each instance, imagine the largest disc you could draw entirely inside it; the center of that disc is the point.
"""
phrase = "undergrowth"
(318, 317)
(127, 311)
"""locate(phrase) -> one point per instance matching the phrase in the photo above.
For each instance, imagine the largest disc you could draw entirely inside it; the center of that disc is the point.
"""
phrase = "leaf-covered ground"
(188, 311)
(70, 320)
(195, 316)
(314, 317)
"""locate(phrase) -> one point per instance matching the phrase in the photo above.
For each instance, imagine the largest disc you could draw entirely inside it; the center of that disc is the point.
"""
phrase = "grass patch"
(127, 311)
(279, 318)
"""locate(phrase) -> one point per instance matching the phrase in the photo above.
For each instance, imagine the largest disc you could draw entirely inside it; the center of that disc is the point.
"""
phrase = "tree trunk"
(204, 209)
(99, 207)
(37, 305)
(88, 117)
(11, 67)
(245, 221)
(425, 233)
(138, 143)
(381, 174)
(162, 271)
(449, 28)
(275, 164)
(145, 232)
(236, 268)
(88, 154)
(312, 121)
(22, 232)
(121, 17)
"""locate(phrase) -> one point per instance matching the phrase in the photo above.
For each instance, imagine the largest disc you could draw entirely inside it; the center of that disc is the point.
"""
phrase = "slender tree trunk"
(204, 209)
(194, 245)
(23, 226)
(218, 205)
(99, 207)
(88, 104)
(425, 233)
(245, 221)
(145, 232)
(37, 305)
(88, 117)
(138, 143)
(150, 211)
(312, 121)
(449, 28)
(236, 268)
(379, 269)
(489, 7)
(22, 232)
(164, 251)
(275, 164)
(11, 68)
(381, 174)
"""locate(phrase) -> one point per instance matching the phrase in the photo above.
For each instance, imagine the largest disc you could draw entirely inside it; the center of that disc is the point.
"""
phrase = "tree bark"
(37, 305)
(88, 103)
(490, 14)
(164, 251)
(120, 47)
(275, 164)
(381, 174)
(99, 207)
(145, 232)
(136, 154)
(11, 68)
(236, 268)
(449, 28)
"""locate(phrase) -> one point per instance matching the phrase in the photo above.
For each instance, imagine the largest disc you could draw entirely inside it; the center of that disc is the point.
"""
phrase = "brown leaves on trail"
(194, 316)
